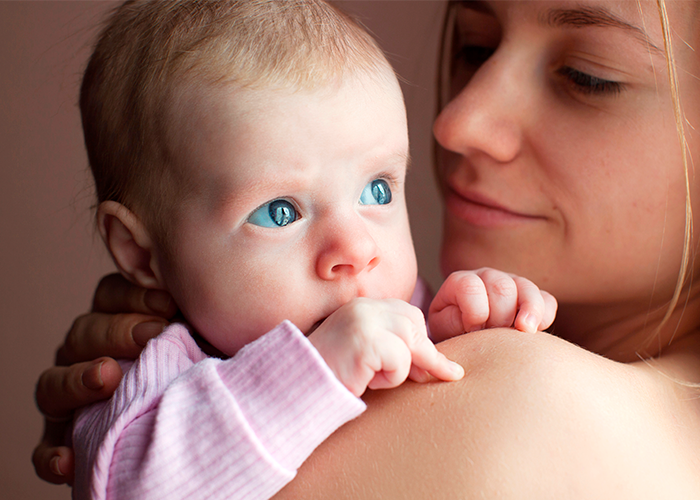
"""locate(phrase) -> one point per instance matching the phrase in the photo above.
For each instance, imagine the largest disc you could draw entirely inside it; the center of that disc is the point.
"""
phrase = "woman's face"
(559, 156)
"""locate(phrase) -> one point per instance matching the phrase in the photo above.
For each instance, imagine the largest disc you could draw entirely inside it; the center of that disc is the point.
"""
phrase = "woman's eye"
(376, 192)
(277, 213)
(589, 84)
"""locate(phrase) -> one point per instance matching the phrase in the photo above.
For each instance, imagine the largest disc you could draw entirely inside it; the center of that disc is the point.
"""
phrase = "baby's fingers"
(533, 309)
(550, 310)
(502, 292)
(394, 363)
(461, 305)
(426, 358)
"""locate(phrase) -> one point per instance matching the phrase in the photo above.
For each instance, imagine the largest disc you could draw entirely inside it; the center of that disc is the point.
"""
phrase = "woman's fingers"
(61, 390)
(116, 335)
(124, 318)
(52, 461)
(115, 294)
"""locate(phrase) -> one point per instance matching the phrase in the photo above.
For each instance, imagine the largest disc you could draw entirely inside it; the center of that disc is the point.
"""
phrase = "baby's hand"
(486, 298)
(378, 344)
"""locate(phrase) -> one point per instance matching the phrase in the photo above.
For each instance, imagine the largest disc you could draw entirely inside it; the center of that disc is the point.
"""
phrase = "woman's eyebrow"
(595, 16)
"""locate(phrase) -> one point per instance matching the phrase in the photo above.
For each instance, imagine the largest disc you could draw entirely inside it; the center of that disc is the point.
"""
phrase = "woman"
(559, 160)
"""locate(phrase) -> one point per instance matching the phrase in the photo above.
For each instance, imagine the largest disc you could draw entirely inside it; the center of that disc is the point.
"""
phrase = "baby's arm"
(487, 298)
(182, 426)
(378, 344)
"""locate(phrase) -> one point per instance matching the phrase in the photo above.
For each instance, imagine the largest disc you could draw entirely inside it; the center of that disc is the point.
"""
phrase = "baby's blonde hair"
(149, 47)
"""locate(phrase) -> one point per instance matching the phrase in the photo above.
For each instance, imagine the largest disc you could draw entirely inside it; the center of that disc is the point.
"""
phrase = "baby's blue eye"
(376, 192)
(277, 213)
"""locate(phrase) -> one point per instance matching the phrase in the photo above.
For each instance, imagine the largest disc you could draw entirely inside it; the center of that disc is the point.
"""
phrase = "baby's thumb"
(446, 323)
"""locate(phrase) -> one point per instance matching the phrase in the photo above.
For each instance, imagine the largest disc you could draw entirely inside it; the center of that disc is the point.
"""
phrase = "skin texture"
(534, 417)
(473, 300)
(581, 192)
(238, 150)
(342, 270)
(338, 260)
(339, 264)
(539, 173)
(576, 187)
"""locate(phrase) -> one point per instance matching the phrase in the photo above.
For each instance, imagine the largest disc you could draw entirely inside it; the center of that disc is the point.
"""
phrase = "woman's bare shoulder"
(534, 417)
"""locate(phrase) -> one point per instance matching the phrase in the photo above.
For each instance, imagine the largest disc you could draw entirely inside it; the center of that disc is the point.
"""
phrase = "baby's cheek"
(401, 285)
(408, 272)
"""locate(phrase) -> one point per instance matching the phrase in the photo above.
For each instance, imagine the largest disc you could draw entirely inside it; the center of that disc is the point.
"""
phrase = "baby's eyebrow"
(399, 158)
(408, 160)
(595, 16)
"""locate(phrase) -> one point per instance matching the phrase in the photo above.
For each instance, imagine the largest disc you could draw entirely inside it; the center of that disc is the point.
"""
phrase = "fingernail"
(529, 323)
(143, 332)
(54, 465)
(157, 300)
(457, 370)
(92, 377)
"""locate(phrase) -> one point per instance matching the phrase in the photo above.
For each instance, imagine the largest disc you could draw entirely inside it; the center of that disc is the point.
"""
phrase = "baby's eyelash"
(391, 179)
(589, 84)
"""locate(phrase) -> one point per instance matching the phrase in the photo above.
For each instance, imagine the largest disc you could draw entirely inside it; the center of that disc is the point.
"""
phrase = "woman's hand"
(123, 318)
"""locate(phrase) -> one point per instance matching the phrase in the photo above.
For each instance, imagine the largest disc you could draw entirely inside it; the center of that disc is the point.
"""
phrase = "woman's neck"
(629, 332)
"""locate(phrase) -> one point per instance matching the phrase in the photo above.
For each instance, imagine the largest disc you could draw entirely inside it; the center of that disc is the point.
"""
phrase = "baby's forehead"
(194, 102)
(200, 84)
(213, 127)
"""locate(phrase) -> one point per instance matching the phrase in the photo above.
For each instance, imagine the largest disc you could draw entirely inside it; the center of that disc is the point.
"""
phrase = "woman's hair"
(686, 268)
(151, 48)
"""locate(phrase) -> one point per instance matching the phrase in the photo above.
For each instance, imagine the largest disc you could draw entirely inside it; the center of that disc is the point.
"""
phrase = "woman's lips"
(481, 211)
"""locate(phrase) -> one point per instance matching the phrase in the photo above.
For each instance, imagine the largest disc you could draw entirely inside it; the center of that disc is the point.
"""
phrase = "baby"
(250, 158)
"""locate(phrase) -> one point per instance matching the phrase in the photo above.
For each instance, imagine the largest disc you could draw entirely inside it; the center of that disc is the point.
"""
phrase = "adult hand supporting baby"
(378, 344)
(79, 379)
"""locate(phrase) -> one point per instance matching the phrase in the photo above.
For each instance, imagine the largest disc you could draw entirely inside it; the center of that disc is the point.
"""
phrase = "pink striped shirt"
(184, 425)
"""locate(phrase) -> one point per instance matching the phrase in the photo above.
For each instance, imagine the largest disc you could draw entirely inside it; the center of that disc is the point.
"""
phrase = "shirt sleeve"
(236, 428)
(422, 296)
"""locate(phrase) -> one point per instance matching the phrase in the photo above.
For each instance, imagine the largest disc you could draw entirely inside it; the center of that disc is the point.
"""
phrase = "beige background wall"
(49, 259)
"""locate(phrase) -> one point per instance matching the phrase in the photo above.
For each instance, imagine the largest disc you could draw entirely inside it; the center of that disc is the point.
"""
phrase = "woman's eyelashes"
(376, 192)
(589, 84)
(276, 213)
(470, 58)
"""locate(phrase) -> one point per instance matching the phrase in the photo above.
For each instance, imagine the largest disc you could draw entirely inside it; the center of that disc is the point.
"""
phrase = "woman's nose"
(347, 250)
(485, 116)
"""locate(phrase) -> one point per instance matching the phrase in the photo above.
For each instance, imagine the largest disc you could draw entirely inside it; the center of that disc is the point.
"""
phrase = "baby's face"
(294, 206)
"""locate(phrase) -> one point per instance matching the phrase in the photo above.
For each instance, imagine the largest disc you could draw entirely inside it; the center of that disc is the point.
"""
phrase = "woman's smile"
(479, 210)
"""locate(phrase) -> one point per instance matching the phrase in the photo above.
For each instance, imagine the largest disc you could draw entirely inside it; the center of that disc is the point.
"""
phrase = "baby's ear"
(130, 244)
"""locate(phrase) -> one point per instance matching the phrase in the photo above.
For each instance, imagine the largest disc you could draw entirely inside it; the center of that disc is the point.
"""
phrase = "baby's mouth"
(315, 325)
